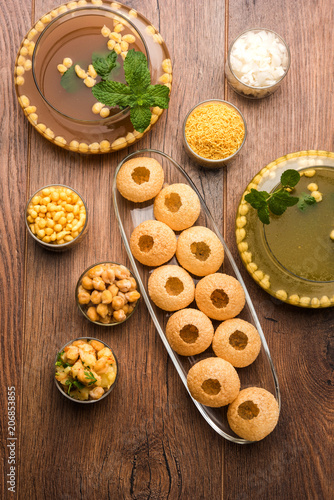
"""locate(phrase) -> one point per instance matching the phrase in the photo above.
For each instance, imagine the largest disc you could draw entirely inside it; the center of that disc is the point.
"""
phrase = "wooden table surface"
(147, 441)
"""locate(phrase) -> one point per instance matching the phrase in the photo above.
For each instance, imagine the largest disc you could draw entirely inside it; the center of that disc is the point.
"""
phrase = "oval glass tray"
(303, 276)
(66, 31)
(129, 215)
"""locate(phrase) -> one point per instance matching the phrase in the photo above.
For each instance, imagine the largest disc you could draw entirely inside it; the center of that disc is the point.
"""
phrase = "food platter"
(46, 40)
(311, 282)
(130, 215)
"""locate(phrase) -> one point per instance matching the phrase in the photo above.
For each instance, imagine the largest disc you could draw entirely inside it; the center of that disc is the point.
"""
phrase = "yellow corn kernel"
(48, 231)
(19, 80)
(117, 48)
(28, 65)
(150, 30)
(32, 228)
(41, 127)
(21, 60)
(62, 221)
(24, 51)
(158, 38)
(32, 33)
(332, 235)
(61, 68)
(165, 78)
(104, 113)
(72, 5)
(111, 44)
(105, 31)
(39, 26)
(119, 143)
(317, 196)
(89, 81)
(40, 233)
(123, 55)
(20, 70)
(60, 140)
(83, 147)
(129, 38)
(133, 13)
(95, 147)
(50, 223)
(124, 46)
(118, 28)
(115, 36)
(46, 19)
(61, 235)
(30, 109)
(68, 238)
(91, 71)
(74, 145)
(80, 72)
(43, 209)
(31, 48)
(60, 242)
(309, 173)
(75, 234)
(167, 66)
(63, 195)
(104, 146)
(48, 132)
(46, 239)
(312, 186)
(58, 227)
(24, 100)
(42, 223)
(62, 9)
(70, 217)
(53, 237)
(68, 207)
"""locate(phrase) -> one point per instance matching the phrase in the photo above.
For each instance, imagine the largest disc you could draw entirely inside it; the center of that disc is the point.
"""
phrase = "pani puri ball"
(153, 243)
(171, 288)
(178, 206)
(189, 332)
(253, 414)
(220, 296)
(199, 251)
(140, 179)
(237, 341)
(213, 382)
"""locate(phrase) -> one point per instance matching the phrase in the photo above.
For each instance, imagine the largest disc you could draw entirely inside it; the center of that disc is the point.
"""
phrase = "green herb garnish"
(70, 82)
(104, 65)
(138, 94)
(59, 361)
(74, 383)
(89, 375)
(305, 200)
(276, 202)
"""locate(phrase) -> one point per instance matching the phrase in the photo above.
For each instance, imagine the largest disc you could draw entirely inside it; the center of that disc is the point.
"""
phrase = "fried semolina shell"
(220, 296)
(253, 414)
(199, 251)
(189, 332)
(178, 206)
(153, 243)
(140, 179)
(213, 382)
(171, 288)
(237, 341)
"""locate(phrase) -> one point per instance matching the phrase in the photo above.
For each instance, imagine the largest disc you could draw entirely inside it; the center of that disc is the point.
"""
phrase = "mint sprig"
(138, 93)
(276, 202)
(305, 200)
(104, 65)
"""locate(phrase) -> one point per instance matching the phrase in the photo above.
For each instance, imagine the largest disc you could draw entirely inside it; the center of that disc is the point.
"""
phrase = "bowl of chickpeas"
(56, 217)
(107, 293)
(86, 370)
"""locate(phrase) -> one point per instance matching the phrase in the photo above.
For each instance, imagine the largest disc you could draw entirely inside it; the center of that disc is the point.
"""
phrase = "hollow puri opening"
(238, 340)
(248, 410)
(140, 175)
(145, 243)
(173, 202)
(201, 250)
(174, 286)
(211, 386)
(219, 298)
(189, 334)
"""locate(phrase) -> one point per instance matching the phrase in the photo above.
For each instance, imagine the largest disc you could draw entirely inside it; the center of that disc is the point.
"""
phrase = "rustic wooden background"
(147, 441)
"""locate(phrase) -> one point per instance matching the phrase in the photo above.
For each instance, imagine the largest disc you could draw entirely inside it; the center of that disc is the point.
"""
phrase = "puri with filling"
(199, 251)
(220, 296)
(253, 414)
(140, 179)
(178, 206)
(153, 243)
(213, 382)
(171, 288)
(189, 332)
(237, 341)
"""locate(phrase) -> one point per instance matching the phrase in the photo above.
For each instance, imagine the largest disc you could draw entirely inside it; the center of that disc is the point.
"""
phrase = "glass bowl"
(51, 246)
(60, 387)
(46, 44)
(298, 271)
(206, 162)
(247, 90)
(130, 215)
(83, 307)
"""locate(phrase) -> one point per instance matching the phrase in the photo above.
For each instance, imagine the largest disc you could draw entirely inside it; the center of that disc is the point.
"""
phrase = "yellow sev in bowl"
(214, 130)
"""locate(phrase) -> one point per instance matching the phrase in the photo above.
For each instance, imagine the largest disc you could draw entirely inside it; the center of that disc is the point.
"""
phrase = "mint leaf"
(257, 199)
(104, 65)
(70, 82)
(159, 95)
(113, 93)
(137, 74)
(305, 200)
(280, 201)
(140, 118)
(263, 214)
(290, 178)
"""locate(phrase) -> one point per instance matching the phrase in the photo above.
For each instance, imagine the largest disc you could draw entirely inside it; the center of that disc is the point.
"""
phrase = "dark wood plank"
(13, 164)
(295, 461)
(146, 440)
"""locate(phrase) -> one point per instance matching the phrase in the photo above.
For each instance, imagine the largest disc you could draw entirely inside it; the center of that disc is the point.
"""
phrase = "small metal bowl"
(206, 162)
(52, 246)
(60, 387)
(83, 307)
